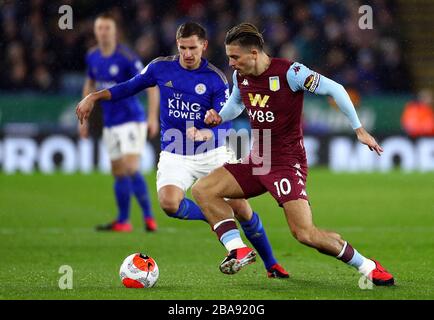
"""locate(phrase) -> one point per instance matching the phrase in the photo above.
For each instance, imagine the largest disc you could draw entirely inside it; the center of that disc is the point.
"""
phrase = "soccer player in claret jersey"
(189, 87)
(125, 129)
(271, 90)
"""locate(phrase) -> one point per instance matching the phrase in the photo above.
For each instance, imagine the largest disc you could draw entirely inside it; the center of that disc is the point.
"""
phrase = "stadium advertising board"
(68, 154)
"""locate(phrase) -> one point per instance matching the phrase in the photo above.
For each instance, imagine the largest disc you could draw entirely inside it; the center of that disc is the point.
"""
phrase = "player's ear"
(205, 44)
(254, 52)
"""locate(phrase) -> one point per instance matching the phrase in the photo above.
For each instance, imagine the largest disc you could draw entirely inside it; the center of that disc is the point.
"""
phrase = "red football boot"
(150, 224)
(277, 271)
(380, 277)
(116, 226)
(236, 259)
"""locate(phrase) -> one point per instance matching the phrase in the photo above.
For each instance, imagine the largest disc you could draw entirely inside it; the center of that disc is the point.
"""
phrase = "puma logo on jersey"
(254, 100)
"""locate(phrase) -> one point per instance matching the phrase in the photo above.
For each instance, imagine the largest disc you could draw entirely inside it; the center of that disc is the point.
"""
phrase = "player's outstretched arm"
(343, 100)
(85, 106)
(88, 87)
(302, 78)
(120, 91)
(153, 111)
(365, 138)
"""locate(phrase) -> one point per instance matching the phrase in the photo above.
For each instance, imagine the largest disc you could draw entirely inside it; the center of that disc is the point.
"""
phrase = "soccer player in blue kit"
(189, 86)
(125, 127)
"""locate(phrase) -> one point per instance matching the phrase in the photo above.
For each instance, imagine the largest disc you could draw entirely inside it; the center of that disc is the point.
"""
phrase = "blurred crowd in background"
(35, 54)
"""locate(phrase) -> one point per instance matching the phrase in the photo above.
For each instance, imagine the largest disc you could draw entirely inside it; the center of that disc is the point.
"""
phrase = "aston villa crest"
(274, 83)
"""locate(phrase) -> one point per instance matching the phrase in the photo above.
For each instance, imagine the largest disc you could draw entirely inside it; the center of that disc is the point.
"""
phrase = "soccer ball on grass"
(139, 271)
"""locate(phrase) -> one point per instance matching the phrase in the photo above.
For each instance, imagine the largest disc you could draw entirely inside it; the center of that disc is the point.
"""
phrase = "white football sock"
(234, 244)
(366, 267)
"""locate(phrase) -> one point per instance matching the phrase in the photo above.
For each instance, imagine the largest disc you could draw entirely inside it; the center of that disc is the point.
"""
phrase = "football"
(139, 271)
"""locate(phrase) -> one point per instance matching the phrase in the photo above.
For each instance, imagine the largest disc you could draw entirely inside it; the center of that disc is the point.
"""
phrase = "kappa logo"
(245, 82)
(257, 98)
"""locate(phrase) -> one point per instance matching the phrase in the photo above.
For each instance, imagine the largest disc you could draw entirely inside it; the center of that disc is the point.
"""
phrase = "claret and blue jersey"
(108, 71)
(185, 97)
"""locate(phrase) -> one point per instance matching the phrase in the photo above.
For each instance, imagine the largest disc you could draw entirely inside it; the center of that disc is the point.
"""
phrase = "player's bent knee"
(119, 174)
(131, 171)
(169, 198)
(169, 205)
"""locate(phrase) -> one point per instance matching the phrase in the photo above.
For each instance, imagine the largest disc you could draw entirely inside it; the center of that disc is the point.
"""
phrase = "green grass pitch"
(47, 222)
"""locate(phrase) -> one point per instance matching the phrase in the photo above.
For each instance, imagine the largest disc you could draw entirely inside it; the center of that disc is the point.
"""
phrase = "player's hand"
(84, 108)
(83, 129)
(212, 118)
(365, 138)
(199, 135)
(153, 128)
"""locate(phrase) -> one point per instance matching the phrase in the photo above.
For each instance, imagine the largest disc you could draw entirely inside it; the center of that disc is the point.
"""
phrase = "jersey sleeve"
(302, 78)
(136, 66)
(234, 105)
(221, 94)
(145, 79)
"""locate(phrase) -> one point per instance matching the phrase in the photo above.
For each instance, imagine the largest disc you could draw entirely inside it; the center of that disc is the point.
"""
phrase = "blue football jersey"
(185, 97)
(120, 66)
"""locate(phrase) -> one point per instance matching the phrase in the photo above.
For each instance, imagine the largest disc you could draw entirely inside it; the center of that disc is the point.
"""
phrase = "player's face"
(105, 31)
(190, 51)
(242, 59)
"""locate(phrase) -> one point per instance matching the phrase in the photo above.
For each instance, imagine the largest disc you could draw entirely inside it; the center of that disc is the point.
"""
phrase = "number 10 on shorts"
(283, 187)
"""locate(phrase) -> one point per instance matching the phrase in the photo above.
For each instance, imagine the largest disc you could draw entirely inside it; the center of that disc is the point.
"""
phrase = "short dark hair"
(106, 15)
(189, 29)
(245, 35)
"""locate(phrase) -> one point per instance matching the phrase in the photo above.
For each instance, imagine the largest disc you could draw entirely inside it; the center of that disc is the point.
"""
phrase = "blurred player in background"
(125, 127)
(272, 91)
(418, 116)
(189, 86)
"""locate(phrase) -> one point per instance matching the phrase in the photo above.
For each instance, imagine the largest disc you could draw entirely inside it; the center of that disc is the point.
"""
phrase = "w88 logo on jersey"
(261, 116)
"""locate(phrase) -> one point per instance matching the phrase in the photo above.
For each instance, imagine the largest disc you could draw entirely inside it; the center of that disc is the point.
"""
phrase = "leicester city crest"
(114, 70)
(200, 88)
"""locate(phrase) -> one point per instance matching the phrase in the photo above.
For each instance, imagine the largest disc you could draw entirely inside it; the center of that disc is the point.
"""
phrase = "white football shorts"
(182, 171)
(123, 139)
